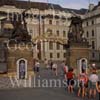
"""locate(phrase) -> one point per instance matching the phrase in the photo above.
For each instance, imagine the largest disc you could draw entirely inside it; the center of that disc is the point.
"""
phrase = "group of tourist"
(36, 66)
(88, 84)
(47, 64)
(51, 65)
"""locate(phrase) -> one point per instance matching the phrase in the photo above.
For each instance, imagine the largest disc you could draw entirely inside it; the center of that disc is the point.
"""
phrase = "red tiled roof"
(26, 4)
(96, 7)
(39, 5)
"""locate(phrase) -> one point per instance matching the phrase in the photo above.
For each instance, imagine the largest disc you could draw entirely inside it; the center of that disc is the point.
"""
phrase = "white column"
(42, 52)
(0, 26)
(46, 49)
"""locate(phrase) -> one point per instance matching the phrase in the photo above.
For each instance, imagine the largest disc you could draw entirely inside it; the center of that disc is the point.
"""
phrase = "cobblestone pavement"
(10, 92)
(5, 83)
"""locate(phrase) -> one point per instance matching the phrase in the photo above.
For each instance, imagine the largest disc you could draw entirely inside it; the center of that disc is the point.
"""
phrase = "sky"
(75, 4)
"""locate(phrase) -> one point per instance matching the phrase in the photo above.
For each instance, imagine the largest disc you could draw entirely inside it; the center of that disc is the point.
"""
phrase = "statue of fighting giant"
(76, 33)
(20, 32)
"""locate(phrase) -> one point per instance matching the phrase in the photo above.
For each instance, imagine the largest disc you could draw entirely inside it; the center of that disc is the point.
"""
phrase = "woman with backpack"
(83, 83)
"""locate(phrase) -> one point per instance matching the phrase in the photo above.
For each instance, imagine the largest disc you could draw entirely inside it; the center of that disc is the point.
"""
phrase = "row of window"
(51, 55)
(93, 34)
(92, 42)
(57, 22)
(50, 32)
(57, 46)
(58, 55)
(92, 23)
(57, 32)
(94, 56)
(51, 47)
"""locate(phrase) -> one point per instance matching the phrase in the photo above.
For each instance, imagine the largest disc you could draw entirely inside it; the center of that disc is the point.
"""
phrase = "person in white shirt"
(65, 68)
(37, 65)
(62, 67)
(54, 68)
(93, 79)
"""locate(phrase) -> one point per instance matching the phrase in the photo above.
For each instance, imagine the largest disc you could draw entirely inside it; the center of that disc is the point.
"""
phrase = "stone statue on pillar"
(76, 32)
(78, 46)
(20, 32)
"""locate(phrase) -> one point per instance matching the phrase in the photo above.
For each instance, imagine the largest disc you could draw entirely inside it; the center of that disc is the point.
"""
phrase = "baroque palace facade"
(91, 26)
(42, 19)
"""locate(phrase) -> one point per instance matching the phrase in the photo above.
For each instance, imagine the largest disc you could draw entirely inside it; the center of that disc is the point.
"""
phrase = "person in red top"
(70, 80)
(98, 88)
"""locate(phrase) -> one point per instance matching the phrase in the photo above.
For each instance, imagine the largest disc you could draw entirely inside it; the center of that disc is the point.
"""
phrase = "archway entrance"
(82, 65)
(44, 41)
(22, 68)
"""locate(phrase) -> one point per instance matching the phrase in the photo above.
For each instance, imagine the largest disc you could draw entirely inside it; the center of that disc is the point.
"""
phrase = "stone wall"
(14, 55)
(77, 52)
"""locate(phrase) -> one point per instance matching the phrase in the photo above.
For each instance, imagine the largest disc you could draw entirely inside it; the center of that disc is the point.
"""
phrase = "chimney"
(91, 6)
(99, 3)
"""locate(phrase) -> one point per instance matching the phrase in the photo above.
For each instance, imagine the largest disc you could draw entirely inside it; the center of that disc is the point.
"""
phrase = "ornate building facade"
(91, 26)
(41, 19)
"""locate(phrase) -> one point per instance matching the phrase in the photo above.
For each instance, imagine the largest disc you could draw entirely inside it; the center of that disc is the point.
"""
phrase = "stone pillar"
(77, 51)
(14, 55)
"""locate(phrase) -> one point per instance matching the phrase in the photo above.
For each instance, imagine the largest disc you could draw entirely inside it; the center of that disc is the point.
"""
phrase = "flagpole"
(89, 2)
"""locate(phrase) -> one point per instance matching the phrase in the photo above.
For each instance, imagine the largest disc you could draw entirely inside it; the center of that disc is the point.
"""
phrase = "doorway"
(22, 68)
(82, 65)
